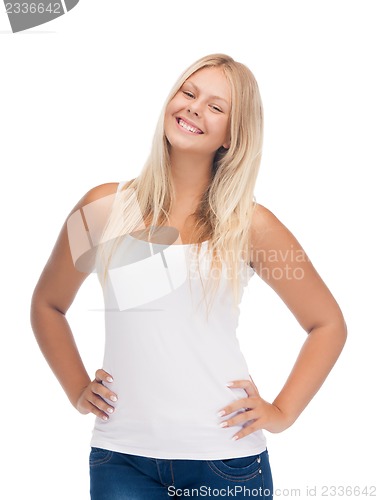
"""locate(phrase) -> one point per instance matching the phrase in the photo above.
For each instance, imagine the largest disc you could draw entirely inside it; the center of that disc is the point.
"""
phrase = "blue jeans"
(121, 476)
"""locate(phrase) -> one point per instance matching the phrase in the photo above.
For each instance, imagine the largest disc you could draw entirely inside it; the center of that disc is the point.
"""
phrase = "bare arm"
(282, 263)
(52, 297)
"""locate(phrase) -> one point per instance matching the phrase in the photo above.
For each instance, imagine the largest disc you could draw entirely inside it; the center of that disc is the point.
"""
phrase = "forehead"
(211, 81)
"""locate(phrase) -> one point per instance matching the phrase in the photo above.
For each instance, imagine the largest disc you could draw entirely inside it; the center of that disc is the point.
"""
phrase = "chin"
(178, 141)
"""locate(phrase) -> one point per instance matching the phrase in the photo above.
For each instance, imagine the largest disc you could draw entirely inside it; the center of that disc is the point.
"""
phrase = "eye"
(189, 94)
(216, 108)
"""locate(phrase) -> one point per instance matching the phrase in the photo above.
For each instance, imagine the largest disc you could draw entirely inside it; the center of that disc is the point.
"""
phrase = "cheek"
(168, 109)
(174, 101)
(169, 112)
(220, 126)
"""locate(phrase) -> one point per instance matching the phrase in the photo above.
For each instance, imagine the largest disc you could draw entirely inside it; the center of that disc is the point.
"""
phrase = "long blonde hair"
(224, 214)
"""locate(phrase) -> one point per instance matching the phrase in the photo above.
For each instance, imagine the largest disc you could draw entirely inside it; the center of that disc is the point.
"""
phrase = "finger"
(247, 429)
(87, 406)
(103, 376)
(96, 411)
(100, 403)
(247, 385)
(243, 403)
(254, 385)
(103, 391)
(242, 418)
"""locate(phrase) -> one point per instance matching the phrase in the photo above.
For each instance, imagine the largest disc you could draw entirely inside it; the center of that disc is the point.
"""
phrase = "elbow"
(340, 333)
(335, 328)
(34, 304)
(344, 332)
(340, 327)
(36, 309)
(40, 312)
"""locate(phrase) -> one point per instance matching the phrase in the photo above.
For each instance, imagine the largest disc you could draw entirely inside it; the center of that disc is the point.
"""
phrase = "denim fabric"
(121, 476)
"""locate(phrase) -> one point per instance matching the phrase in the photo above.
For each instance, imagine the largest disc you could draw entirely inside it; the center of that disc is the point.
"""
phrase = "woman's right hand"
(92, 398)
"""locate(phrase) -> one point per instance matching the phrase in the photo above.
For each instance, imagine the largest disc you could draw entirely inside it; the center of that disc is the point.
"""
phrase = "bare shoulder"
(263, 222)
(269, 234)
(103, 190)
(96, 193)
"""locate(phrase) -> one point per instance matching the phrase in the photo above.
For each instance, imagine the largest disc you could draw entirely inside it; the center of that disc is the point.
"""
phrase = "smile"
(188, 127)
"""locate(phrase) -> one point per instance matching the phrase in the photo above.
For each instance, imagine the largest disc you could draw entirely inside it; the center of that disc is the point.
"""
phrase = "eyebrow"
(211, 97)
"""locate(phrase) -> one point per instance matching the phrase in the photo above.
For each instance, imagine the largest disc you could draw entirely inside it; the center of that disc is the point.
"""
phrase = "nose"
(191, 110)
(194, 107)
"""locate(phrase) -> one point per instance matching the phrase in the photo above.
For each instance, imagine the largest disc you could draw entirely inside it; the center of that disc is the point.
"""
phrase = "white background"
(80, 97)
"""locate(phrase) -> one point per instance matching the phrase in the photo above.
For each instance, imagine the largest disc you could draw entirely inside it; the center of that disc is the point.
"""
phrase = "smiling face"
(197, 118)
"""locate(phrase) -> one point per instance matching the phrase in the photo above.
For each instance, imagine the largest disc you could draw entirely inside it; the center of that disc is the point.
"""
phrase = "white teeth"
(189, 127)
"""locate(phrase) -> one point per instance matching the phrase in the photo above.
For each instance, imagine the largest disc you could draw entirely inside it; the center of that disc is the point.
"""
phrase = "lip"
(189, 123)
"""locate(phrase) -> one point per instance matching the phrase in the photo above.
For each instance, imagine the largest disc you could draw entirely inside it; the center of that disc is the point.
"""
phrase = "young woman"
(177, 411)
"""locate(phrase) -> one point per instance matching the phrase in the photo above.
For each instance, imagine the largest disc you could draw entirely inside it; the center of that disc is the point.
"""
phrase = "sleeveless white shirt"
(169, 361)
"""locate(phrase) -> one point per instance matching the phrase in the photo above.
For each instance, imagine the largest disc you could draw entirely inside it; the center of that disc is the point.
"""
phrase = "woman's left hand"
(259, 414)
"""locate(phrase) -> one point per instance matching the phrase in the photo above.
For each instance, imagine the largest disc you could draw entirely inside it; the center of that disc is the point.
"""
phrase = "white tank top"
(169, 361)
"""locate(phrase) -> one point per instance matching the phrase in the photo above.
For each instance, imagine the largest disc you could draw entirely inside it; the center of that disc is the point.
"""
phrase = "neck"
(191, 174)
